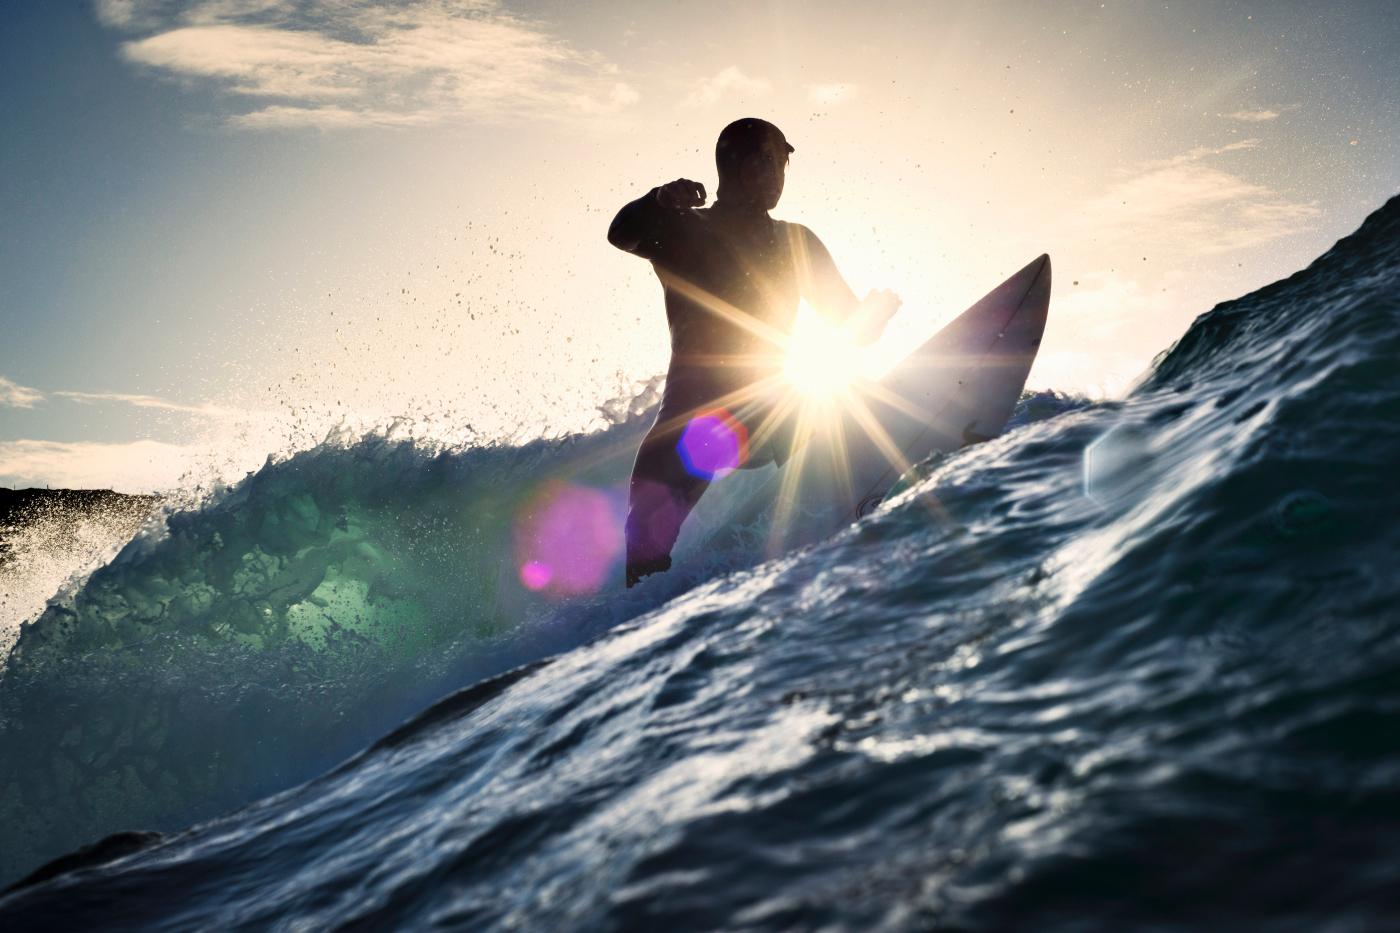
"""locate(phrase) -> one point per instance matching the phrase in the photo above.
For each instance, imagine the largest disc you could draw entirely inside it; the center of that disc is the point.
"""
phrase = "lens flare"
(713, 444)
(568, 539)
(819, 361)
(536, 575)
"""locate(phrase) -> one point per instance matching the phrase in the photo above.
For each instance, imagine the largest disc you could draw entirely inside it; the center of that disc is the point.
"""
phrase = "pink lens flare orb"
(713, 444)
(568, 539)
(536, 575)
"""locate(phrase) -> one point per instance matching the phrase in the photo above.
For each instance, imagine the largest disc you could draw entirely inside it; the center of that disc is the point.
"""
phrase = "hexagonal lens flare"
(568, 539)
(1114, 463)
(714, 444)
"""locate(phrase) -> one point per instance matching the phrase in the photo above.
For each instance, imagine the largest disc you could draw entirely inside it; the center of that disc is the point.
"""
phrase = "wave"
(1135, 666)
(247, 640)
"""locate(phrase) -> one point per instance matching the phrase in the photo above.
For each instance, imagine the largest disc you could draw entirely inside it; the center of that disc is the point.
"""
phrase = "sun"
(819, 361)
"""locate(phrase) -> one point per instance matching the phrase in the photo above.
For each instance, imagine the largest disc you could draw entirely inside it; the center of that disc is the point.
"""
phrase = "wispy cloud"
(350, 63)
(1254, 116)
(1099, 339)
(149, 401)
(730, 81)
(1193, 206)
(824, 95)
(1196, 155)
(141, 466)
(620, 96)
(14, 395)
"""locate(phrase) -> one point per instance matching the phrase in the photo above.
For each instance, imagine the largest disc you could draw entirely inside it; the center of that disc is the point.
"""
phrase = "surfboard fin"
(969, 437)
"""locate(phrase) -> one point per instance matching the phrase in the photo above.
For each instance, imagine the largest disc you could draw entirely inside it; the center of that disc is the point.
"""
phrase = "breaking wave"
(1132, 665)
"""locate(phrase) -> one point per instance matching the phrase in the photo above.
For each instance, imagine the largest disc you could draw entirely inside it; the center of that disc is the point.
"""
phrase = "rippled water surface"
(1130, 666)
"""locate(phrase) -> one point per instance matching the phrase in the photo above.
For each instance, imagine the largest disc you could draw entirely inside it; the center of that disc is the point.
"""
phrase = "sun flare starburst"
(820, 360)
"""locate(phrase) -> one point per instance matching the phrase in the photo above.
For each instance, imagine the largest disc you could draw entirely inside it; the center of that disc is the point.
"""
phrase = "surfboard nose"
(1032, 279)
(1037, 271)
(1040, 285)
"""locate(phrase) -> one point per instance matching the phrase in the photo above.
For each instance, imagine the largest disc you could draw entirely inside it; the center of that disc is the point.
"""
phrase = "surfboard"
(956, 389)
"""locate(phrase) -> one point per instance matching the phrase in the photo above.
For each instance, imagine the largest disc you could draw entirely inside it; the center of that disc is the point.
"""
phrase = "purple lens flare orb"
(714, 444)
(536, 574)
(568, 539)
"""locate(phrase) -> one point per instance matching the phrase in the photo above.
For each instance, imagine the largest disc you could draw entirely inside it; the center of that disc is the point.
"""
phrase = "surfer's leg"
(661, 495)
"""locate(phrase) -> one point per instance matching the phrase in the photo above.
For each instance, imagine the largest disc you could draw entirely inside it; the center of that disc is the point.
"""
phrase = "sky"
(231, 226)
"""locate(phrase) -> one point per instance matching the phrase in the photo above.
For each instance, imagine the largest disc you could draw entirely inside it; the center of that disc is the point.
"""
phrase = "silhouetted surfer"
(733, 277)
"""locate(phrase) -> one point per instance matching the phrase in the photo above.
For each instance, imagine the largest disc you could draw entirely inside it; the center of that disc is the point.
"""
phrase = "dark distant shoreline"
(21, 508)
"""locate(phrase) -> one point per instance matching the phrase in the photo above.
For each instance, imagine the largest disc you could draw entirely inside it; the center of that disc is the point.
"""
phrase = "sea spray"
(51, 540)
(255, 634)
(1022, 694)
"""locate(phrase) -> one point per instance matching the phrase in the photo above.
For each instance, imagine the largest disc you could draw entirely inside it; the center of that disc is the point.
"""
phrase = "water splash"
(995, 703)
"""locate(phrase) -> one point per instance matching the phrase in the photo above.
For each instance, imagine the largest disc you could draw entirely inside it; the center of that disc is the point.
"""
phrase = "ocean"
(1133, 665)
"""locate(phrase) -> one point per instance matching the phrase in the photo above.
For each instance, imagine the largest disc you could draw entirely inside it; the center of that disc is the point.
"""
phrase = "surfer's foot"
(641, 568)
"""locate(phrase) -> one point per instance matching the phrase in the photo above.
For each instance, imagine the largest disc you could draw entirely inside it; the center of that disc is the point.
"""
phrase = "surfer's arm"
(638, 222)
(827, 292)
(637, 225)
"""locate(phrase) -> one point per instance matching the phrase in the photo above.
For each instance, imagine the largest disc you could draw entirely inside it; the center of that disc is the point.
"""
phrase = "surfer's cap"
(745, 137)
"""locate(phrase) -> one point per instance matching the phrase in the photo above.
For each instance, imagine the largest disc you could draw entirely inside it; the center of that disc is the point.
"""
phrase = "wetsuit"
(733, 277)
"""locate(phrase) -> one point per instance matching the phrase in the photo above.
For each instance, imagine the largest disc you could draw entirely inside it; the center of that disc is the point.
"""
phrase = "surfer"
(732, 277)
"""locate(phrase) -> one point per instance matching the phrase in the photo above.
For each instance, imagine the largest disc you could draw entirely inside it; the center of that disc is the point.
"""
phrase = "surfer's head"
(752, 156)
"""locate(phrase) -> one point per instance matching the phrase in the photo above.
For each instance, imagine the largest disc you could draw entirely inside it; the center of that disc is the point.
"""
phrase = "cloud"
(118, 13)
(14, 395)
(323, 118)
(1106, 330)
(149, 401)
(824, 95)
(141, 466)
(620, 96)
(1199, 153)
(1254, 116)
(1192, 207)
(333, 64)
(729, 81)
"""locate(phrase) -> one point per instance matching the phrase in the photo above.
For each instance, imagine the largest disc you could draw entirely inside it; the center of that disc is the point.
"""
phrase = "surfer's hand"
(875, 312)
(681, 193)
